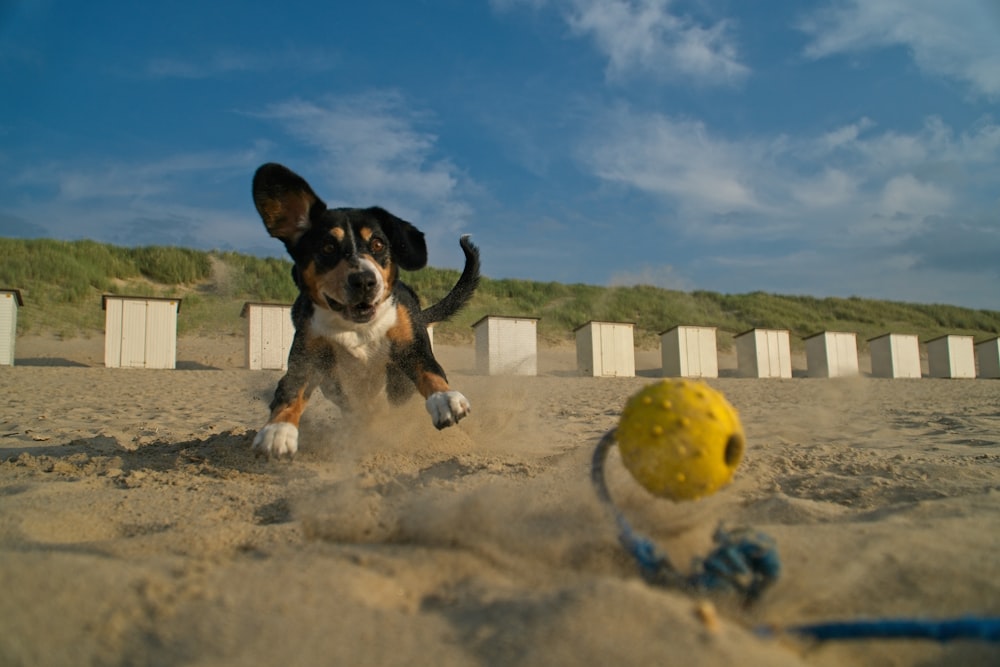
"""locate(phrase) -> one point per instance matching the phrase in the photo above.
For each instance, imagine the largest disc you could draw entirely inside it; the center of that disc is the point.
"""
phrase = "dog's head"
(346, 259)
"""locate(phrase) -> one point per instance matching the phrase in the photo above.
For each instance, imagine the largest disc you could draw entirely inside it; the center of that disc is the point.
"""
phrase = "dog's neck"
(361, 341)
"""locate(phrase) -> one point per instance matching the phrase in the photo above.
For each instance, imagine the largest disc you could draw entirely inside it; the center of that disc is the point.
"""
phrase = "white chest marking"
(361, 341)
(362, 353)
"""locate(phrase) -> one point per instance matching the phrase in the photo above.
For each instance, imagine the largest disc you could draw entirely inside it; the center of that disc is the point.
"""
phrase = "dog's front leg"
(446, 406)
(280, 436)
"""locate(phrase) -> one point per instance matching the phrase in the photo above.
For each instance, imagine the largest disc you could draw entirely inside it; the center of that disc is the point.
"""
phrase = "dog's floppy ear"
(407, 242)
(285, 202)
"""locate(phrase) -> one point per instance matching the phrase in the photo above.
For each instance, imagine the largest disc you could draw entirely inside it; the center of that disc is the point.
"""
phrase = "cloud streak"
(675, 158)
(371, 149)
(955, 39)
(131, 181)
(230, 61)
(170, 200)
(646, 39)
(357, 150)
(848, 186)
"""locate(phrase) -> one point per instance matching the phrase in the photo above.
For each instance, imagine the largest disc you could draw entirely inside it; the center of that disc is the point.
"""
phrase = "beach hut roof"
(16, 292)
(820, 333)
(266, 304)
(687, 326)
(589, 322)
(105, 297)
(502, 317)
(948, 336)
(748, 331)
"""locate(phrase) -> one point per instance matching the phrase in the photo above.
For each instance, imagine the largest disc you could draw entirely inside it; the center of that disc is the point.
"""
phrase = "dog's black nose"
(362, 282)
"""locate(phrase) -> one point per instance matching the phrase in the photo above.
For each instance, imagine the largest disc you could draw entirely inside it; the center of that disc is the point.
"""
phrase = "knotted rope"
(746, 563)
(742, 561)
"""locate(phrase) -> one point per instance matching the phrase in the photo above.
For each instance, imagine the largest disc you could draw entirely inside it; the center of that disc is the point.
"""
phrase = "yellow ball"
(680, 439)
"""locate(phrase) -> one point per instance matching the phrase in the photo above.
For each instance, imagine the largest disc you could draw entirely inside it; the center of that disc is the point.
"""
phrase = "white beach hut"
(140, 331)
(10, 301)
(605, 349)
(951, 356)
(832, 354)
(764, 353)
(895, 356)
(688, 351)
(506, 345)
(988, 354)
(269, 335)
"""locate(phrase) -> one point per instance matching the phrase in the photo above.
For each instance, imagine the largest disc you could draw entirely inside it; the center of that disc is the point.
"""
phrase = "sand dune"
(137, 527)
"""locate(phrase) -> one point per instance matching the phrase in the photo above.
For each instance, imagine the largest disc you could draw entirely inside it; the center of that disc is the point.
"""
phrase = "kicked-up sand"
(138, 528)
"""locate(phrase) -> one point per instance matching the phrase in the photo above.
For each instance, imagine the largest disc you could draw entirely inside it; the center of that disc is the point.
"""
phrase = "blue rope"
(747, 563)
(968, 627)
(742, 561)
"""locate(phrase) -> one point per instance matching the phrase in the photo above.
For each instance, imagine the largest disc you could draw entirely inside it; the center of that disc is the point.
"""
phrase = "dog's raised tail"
(463, 290)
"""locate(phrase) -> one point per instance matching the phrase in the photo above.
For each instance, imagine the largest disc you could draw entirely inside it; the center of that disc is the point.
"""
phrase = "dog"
(360, 334)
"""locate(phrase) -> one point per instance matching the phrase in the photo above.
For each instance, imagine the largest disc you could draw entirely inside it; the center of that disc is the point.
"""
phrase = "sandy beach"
(138, 528)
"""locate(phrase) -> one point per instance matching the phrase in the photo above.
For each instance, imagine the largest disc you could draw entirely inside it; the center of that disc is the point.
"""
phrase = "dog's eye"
(377, 245)
(328, 249)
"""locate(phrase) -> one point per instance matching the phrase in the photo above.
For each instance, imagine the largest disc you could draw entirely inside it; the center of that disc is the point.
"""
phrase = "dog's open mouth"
(359, 312)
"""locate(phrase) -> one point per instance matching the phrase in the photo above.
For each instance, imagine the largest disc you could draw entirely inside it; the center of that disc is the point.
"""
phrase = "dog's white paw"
(447, 408)
(277, 439)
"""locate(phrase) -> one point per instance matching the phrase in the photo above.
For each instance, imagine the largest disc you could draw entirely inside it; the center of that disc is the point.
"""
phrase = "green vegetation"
(62, 283)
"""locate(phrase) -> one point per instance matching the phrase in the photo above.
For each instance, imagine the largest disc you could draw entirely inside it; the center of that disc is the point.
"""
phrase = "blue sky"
(829, 147)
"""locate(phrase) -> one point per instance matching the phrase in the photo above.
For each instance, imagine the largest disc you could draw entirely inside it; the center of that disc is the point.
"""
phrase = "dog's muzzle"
(363, 290)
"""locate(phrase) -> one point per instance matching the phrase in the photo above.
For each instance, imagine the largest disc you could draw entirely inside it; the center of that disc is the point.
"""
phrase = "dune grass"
(62, 282)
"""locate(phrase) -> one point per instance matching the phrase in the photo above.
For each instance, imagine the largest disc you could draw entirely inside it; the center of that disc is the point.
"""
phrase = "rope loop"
(743, 561)
(746, 562)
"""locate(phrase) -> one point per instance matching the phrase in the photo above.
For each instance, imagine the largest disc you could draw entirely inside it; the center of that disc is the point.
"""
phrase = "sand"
(137, 527)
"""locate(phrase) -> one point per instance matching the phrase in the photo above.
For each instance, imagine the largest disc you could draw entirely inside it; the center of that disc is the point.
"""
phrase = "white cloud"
(833, 187)
(900, 275)
(678, 159)
(980, 145)
(845, 135)
(968, 245)
(174, 199)
(356, 151)
(371, 151)
(645, 38)
(131, 181)
(906, 195)
(956, 39)
(965, 163)
(845, 186)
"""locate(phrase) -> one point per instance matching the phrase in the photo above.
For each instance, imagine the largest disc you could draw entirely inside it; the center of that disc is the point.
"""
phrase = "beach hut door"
(8, 329)
(133, 334)
(610, 345)
(274, 348)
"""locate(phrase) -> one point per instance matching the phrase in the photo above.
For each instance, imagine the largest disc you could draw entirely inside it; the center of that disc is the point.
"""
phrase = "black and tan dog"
(360, 335)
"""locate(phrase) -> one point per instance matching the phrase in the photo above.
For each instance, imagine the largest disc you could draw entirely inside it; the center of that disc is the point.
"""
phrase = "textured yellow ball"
(680, 439)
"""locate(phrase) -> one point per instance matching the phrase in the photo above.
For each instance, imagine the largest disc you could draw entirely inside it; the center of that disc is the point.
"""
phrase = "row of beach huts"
(141, 332)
